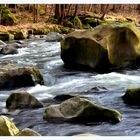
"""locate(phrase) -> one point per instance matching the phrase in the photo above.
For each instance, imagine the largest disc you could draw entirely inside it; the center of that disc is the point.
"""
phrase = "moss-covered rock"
(90, 21)
(80, 49)
(39, 31)
(13, 77)
(65, 30)
(7, 18)
(5, 36)
(105, 47)
(124, 43)
(22, 100)
(7, 127)
(68, 23)
(132, 96)
(87, 26)
(79, 110)
(21, 34)
(28, 132)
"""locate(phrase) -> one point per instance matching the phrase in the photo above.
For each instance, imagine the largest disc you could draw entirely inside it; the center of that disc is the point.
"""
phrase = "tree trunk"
(46, 6)
(35, 13)
(62, 13)
(104, 9)
(76, 9)
(57, 11)
(90, 7)
(69, 9)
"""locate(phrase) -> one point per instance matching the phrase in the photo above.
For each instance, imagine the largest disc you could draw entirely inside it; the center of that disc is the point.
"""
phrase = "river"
(103, 89)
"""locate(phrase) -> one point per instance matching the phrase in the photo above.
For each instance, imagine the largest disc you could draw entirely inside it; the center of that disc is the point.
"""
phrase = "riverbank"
(23, 30)
(18, 32)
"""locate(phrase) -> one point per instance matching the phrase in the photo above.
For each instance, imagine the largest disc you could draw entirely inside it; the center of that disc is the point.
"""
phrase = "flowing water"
(103, 89)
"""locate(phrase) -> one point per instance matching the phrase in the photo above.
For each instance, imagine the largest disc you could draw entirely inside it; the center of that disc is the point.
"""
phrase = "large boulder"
(28, 132)
(22, 100)
(132, 96)
(79, 110)
(103, 48)
(14, 77)
(54, 37)
(7, 127)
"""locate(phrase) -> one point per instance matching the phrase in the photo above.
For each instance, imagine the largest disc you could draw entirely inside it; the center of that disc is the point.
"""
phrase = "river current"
(103, 89)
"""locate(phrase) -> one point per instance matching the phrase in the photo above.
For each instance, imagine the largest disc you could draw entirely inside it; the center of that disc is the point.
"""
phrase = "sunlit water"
(58, 80)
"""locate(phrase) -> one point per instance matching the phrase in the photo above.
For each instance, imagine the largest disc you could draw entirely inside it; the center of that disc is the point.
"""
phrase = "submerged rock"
(54, 37)
(63, 97)
(79, 110)
(8, 50)
(28, 132)
(22, 100)
(110, 46)
(132, 96)
(14, 77)
(7, 127)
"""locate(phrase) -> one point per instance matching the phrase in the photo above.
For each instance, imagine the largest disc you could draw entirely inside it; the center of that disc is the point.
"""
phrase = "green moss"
(100, 112)
(20, 34)
(52, 19)
(42, 12)
(90, 21)
(68, 23)
(77, 22)
(65, 30)
(80, 110)
(132, 96)
(87, 26)
(7, 127)
(39, 76)
(7, 18)
(124, 41)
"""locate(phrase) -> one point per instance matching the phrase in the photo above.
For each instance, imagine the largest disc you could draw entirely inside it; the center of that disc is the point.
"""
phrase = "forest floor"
(25, 21)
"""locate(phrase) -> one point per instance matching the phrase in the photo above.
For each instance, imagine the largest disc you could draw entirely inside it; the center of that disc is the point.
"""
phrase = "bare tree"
(104, 9)
(76, 9)
(35, 14)
(69, 9)
(60, 12)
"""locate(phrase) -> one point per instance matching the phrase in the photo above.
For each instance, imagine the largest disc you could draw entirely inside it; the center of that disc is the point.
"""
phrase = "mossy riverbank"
(25, 30)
